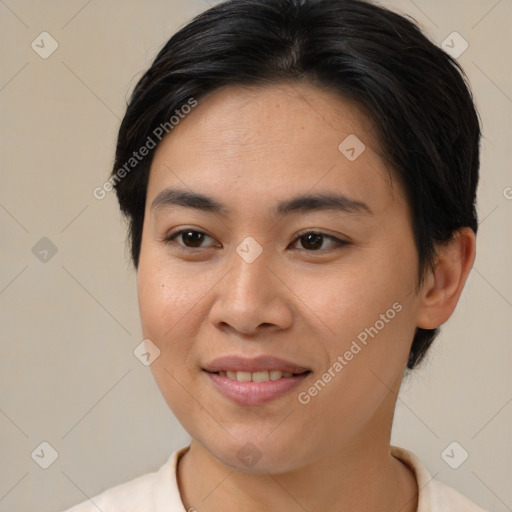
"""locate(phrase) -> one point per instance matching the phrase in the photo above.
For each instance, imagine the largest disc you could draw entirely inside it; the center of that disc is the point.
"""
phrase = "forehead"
(265, 142)
(277, 114)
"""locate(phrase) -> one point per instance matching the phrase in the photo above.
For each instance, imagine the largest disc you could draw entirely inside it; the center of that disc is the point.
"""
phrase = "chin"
(256, 455)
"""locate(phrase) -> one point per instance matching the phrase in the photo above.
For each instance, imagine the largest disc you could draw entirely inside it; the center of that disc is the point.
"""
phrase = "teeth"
(243, 376)
(259, 376)
(262, 376)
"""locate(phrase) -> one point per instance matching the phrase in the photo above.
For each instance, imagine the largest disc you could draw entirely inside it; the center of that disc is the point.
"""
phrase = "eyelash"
(339, 243)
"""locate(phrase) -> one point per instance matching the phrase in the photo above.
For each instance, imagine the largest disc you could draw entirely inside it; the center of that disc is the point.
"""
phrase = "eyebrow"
(300, 204)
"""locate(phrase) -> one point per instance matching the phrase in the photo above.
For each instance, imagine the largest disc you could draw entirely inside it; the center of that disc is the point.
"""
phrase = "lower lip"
(255, 393)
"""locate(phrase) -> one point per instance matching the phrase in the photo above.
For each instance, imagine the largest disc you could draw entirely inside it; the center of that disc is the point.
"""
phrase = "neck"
(362, 477)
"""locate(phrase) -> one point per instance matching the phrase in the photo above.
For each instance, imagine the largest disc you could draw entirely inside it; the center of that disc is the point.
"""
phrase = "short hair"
(416, 95)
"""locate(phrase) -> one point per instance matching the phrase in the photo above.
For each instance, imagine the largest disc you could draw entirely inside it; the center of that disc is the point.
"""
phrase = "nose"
(252, 298)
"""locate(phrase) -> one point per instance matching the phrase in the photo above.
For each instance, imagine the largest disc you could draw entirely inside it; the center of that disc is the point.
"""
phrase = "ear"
(442, 288)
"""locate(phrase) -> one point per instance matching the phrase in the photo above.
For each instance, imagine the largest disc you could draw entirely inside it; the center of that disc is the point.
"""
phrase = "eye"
(312, 241)
(191, 238)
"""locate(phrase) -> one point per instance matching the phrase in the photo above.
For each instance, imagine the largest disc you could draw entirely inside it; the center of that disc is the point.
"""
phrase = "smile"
(262, 376)
(254, 388)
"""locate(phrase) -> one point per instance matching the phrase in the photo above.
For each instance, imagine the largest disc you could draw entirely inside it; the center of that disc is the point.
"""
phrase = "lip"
(253, 364)
(254, 393)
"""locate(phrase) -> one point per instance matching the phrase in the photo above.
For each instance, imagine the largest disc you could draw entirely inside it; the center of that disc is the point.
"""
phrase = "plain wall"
(70, 324)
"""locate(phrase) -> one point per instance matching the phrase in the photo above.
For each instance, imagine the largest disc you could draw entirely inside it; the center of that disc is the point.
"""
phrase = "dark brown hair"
(416, 95)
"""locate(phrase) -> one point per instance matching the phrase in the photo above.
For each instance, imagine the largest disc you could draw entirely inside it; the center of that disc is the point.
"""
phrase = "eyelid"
(169, 238)
(339, 243)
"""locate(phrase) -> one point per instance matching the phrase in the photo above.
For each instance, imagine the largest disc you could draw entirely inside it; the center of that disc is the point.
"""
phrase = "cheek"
(367, 344)
(165, 296)
(166, 305)
(365, 312)
(346, 301)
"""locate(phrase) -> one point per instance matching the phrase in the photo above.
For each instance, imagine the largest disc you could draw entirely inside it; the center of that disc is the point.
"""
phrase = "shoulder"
(433, 496)
(156, 491)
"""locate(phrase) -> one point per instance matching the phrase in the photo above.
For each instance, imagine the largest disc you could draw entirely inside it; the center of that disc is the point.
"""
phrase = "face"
(252, 272)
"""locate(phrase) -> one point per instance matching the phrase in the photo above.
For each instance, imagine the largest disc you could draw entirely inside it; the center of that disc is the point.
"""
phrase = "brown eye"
(312, 241)
(190, 238)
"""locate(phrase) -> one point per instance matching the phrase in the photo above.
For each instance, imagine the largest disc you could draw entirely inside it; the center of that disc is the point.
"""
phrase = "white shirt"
(158, 491)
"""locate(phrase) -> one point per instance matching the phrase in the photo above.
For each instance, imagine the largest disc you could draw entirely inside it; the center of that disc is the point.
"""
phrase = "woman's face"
(327, 286)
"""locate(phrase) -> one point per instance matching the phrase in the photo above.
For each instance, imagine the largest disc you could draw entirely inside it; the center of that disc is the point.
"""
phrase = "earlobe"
(442, 288)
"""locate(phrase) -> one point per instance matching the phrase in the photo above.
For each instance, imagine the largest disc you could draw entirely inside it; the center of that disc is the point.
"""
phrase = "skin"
(250, 148)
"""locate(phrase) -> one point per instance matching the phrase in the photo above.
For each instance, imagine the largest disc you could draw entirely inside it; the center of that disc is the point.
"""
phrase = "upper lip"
(253, 364)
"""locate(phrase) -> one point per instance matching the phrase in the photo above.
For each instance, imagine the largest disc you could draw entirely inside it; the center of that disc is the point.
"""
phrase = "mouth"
(259, 376)
(254, 381)
(264, 364)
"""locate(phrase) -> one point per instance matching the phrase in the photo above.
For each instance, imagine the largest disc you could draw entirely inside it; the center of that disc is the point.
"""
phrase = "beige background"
(69, 326)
